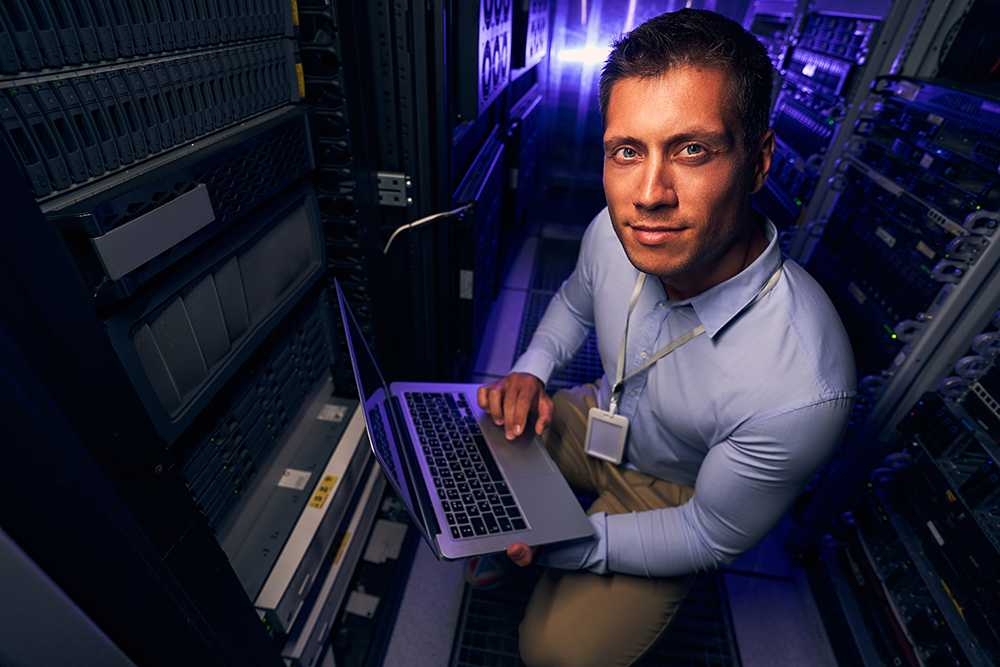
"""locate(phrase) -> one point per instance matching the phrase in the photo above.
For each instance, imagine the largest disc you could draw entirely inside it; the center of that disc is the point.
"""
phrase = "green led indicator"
(925, 269)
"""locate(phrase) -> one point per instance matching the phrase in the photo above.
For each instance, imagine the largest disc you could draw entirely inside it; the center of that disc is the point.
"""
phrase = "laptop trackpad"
(524, 458)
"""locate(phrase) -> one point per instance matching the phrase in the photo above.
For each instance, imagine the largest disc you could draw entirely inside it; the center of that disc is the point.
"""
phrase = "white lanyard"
(618, 387)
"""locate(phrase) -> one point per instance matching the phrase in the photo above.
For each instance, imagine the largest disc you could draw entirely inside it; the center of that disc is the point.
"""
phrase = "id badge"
(606, 433)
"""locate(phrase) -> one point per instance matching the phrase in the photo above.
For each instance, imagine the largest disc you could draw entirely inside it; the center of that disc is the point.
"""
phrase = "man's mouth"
(657, 235)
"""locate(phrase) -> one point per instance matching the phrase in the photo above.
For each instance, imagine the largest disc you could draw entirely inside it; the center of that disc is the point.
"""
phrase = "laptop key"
(455, 533)
(478, 526)
(491, 523)
(518, 524)
(505, 524)
(508, 501)
(466, 530)
(484, 451)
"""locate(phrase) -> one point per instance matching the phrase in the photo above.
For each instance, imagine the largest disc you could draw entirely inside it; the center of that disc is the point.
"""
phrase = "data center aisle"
(757, 612)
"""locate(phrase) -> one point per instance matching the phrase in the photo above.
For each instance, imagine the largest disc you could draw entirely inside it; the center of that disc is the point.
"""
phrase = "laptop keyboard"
(475, 498)
(381, 442)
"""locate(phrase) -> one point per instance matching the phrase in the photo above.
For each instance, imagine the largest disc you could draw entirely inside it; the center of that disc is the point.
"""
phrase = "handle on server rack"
(126, 248)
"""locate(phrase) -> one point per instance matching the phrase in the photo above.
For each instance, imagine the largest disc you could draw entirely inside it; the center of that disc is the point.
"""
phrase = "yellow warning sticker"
(302, 79)
(323, 490)
(341, 548)
(295, 12)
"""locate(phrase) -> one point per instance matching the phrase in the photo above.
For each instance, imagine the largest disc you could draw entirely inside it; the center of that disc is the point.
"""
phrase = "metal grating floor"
(554, 261)
(701, 634)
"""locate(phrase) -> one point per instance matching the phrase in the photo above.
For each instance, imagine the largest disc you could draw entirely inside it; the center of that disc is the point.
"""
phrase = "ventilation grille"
(554, 262)
(182, 343)
(238, 432)
(701, 634)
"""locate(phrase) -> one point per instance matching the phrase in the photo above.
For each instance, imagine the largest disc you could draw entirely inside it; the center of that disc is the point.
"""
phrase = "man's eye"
(627, 153)
(693, 149)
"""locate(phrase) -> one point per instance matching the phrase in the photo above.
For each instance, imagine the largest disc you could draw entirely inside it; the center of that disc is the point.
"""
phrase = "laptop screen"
(378, 406)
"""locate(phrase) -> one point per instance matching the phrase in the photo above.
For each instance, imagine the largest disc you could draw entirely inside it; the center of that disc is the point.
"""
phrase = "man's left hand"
(521, 554)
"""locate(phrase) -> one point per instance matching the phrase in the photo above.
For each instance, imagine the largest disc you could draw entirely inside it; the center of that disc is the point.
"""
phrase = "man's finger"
(495, 396)
(517, 403)
(546, 409)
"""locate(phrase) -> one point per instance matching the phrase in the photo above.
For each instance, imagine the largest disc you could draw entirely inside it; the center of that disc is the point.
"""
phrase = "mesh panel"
(554, 262)
(701, 634)
(205, 311)
(232, 299)
(275, 262)
(181, 343)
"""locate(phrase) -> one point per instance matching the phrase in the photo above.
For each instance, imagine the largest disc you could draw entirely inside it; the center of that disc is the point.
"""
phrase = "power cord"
(421, 222)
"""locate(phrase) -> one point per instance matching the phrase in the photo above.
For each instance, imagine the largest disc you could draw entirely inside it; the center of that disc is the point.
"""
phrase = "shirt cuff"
(589, 553)
(537, 363)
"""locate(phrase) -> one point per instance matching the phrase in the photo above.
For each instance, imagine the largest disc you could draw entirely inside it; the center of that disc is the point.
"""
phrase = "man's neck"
(742, 254)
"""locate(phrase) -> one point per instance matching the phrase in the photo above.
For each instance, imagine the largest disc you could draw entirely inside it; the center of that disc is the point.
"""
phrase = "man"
(725, 430)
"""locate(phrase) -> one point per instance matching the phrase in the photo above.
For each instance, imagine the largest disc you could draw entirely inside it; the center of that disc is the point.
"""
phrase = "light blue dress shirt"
(747, 412)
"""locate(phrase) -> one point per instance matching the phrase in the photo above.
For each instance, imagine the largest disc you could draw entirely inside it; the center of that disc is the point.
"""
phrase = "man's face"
(677, 180)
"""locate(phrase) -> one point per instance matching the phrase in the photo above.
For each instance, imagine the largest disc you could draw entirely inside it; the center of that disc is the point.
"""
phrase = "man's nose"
(656, 187)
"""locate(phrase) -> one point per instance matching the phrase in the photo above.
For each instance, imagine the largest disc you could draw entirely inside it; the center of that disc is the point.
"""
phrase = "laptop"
(469, 490)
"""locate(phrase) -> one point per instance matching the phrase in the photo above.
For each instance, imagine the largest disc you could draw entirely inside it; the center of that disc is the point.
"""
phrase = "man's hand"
(511, 399)
(521, 554)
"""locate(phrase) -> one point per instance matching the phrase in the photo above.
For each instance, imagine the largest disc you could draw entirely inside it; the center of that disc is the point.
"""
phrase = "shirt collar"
(720, 304)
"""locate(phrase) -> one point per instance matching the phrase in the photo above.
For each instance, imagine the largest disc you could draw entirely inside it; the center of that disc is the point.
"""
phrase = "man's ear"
(762, 162)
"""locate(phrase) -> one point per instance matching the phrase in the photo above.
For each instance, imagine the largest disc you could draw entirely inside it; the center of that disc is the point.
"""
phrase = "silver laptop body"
(469, 490)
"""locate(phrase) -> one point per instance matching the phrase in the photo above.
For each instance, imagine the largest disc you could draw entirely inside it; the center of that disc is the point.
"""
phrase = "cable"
(421, 222)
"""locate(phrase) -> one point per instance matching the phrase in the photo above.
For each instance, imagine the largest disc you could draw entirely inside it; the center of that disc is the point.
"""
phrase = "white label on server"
(294, 479)
(332, 413)
(360, 603)
(886, 237)
(935, 533)
(926, 161)
(926, 250)
(856, 293)
(465, 284)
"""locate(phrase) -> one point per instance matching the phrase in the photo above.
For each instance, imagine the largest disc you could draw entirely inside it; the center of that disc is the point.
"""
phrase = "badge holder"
(606, 434)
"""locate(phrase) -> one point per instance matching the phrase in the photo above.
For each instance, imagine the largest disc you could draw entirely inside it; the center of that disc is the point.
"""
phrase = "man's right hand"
(510, 400)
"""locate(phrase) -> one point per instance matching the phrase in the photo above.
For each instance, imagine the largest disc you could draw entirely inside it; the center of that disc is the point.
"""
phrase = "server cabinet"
(168, 265)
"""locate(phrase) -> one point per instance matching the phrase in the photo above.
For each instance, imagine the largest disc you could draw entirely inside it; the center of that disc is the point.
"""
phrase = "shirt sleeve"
(744, 487)
(567, 321)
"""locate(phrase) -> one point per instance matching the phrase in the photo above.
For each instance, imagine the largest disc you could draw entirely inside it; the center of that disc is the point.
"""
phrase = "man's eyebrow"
(621, 139)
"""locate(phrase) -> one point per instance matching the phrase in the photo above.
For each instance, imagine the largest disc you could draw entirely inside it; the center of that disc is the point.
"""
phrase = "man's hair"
(700, 38)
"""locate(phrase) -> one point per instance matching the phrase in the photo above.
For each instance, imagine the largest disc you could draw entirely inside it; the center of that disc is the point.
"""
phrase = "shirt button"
(663, 304)
(632, 393)
(643, 355)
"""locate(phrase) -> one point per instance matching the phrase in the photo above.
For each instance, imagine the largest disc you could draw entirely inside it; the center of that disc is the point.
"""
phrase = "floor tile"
(496, 353)
(774, 624)
(428, 613)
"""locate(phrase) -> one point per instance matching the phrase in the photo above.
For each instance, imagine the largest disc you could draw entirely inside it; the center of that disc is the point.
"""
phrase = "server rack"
(888, 199)
(168, 264)
(420, 113)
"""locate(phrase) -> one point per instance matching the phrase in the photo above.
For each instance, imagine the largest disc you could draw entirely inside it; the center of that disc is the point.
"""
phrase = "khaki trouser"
(578, 619)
